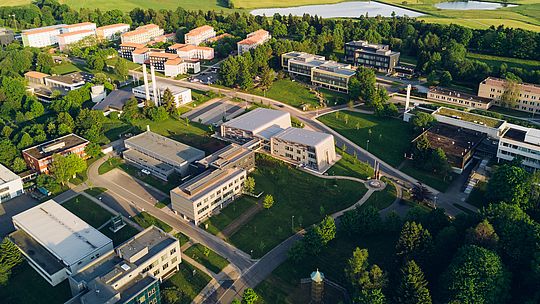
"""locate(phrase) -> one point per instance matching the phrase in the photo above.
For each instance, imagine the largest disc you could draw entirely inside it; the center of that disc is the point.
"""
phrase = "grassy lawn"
(95, 191)
(495, 61)
(149, 179)
(295, 194)
(428, 178)
(389, 138)
(145, 220)
(27, 286)
(228, 214)
(206, 257)
(283, 285)
(193, 134)
(109, 164)
(349, 165)
(112, 129)
(477, 197)
(290, 92)
(88, 211)
(65, 68)
(382, 199)
(334, 98)
(121, 235)
(189, 281)
(130, 64)
(182, 238)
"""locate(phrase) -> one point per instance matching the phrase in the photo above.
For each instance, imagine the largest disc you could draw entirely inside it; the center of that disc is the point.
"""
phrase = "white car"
(145, 171)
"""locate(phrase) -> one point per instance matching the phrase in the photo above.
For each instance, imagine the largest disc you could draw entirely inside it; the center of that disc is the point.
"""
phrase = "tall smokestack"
(408, 99)
(145, 77)
(154, 85)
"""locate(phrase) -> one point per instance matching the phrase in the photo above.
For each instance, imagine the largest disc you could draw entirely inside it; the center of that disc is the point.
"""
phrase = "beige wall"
(528, 102)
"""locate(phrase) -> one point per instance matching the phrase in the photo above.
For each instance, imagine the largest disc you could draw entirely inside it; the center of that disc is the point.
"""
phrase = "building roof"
(111, 26)
(338, 68)
(152, 240)
(470, 117)
(72, 78)
(255, 37)
(459, 94)
(140, 50)
(115, 100)
(44, 29)
(206, 182)
(199, 30)
(225, 156)
(91, 32)
(61, 232)
(148, 26)
(524, 87)
(176, 46)
(35, 74)
(78, 24)
(7, 175)
(522, 134)
(257, 120)
(303, 136)
(58, 145)
(166, 148)
(132, 44)
(175, 90)
(219, 37)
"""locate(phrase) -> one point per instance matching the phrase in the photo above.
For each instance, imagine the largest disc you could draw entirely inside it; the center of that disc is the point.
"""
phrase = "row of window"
(522, 149)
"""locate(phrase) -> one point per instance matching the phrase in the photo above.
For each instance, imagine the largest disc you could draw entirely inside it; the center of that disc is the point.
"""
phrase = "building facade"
(199, 35)
(38, 158)
(68, 82)
(187, 51)
(528, 99)
(11, 185)
(160, 155)
(127, 50)
(252, 41)
(444, 95)
(171, 64)
(376, 56)
(112, 31)
(142, 35)
(57, 243)
(65, 39)
(522, 142)
(41, 37)
(181, 95)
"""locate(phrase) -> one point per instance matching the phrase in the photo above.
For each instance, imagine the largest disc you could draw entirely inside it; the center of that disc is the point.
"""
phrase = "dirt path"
(240, 221)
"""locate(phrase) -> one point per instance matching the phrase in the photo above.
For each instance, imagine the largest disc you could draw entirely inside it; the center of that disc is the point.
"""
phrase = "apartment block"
(132, 273)
(55, 242)
(11, 184)
(181, 95)
(462, 99)
(68, 38)
(376, 56)
(160, 155)
(522, 142)
(199, 35)
(142, 35)
(77, 27)
(112, 31)
(252, 41)
(188, 51)
(39, 157)
(528, 99)
(133, 51)
(42, 36)
(321, 72)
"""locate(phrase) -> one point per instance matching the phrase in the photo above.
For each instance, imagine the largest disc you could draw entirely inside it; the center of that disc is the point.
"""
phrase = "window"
(142, 299)
(156, 272)
(174, 259)
(165, 266)
(164, 257)
(173, 251)
(151, 292)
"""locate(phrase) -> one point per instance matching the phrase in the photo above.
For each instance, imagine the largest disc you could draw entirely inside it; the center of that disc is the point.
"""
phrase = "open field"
(301, 199)
(250, 4)
(206, 257)
(388, 138)
(290, 92)
(428, 178)
(495, 61)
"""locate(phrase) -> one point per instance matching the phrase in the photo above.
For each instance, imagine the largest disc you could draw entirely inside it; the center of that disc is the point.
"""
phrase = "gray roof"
(257, 120)
(151, 239)
(206, 182)
(7, 175)
(57, 145)
(166, 149)
(303, 136)
(115, 100)
(72, 78)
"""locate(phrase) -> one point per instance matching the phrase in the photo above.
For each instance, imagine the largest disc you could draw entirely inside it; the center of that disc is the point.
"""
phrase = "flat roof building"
(199, 35)
(143, 34)
(372, 55)
(39, 157)
(252, 41)
(160, 155)
(68, 38)
(131, 273)
(445, 95)
(528, 99)
(11, 184)
(56, 242)
(181, 95)
(522, 142)
(69, 81)
(246, 127)
(114, 101)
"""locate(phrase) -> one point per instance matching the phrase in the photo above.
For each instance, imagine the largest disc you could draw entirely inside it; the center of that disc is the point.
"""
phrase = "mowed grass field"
(127, 5)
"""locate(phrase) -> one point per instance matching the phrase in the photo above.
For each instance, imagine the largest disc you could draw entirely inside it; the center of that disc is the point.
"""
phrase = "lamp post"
(435, 201)
(292, 223)
(367, 145)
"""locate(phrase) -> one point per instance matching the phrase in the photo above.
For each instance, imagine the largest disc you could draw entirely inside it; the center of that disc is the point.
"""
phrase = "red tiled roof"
(199, 30)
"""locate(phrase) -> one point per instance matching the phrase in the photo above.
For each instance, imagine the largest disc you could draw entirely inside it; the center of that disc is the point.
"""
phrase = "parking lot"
(213, 114)
(209, 76)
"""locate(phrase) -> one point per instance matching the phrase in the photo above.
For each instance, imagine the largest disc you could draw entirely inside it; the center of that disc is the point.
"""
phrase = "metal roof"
(7, 175)
(303, 136)
(259, 119)
(60, 231)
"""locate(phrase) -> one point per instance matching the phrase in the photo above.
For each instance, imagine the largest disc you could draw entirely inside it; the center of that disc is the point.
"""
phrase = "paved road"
(129, 197)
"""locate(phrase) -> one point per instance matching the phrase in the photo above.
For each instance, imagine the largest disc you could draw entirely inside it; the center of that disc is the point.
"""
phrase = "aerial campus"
(267, 152)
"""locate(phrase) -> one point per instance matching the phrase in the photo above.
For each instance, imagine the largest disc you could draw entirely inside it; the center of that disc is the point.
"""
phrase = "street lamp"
(292, 223)
(435, 201)
(367, 145)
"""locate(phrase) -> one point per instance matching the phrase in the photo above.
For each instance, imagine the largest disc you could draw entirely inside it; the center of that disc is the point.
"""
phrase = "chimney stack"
(154, 85)
(408, 99)
(146, 87)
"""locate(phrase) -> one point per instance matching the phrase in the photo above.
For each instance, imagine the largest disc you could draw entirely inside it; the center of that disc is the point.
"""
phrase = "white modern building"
(112, 31)
(65, 39)
(57, 243)
(11, 184)
(160, 155)
(188, 51)
(181, 95)
(42, 36)
(522, 142)
(131, 273)
(253, 40)
(199, 35)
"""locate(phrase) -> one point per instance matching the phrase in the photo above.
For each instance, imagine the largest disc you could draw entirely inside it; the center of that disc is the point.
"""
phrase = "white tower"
(154, 85)
(408, 99)
(146, 87)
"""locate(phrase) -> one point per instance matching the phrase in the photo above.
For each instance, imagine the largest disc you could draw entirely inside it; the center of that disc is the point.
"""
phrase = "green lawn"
(477, 197)
(228, 214)
(290, 92)
(112, 129)
(389, 138)
(88, 211)
(495, 61)
(109, 164)
(149, 179)
(65, 68)
(193, 134)
(130, 64)
(206, 257)
(121, 235)
(382, 199)
(334, 98)
(349, 165)
(182, 238)
(283, 285)
(297, 194)
(145, 220)
(428, 178)
(188, 282)
(27, 286)
(95, 191)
